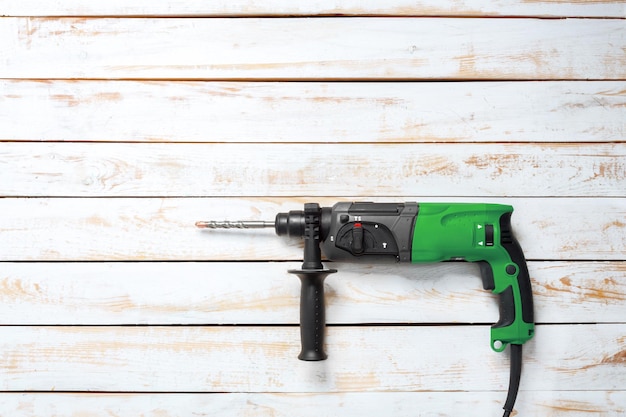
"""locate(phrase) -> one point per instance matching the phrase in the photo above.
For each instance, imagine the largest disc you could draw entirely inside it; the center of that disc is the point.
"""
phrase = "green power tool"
(416, 233)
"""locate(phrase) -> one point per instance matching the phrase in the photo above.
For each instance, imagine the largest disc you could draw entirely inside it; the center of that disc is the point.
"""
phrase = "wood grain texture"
(401, 404)
(152, 121)
(163, 228)
(103, 169)
(437, 8)
(253, 359)
(264, 293)
(312, 112)
(263, 359)
(350, 404)
(320, 48)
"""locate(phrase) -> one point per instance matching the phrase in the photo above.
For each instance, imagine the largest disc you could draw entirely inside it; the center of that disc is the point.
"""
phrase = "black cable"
(514, 378)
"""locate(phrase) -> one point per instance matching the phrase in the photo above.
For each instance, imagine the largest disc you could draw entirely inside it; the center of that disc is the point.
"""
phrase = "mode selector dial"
(357, 239)
(366, 238)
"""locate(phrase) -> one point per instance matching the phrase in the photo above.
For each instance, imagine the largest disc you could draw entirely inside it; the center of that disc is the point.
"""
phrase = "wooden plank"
(350, 404)
(264, 293)
(163, 228)
(437, 8)
(120, 170)
(320, 48)
(312, 112)
(263, 359)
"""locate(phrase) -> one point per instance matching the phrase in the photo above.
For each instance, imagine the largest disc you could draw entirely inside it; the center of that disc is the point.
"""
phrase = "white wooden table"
(124, 122)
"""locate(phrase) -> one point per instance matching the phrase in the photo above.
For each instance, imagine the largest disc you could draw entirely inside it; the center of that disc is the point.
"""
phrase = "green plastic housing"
(480, 232)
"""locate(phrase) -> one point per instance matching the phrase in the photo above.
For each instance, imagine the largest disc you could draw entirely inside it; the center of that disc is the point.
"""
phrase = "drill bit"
(238, 224)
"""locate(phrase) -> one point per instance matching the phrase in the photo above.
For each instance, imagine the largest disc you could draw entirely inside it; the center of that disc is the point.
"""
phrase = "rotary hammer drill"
(416, 233)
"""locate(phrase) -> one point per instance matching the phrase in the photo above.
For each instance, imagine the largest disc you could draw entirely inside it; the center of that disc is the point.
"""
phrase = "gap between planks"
(289, 8)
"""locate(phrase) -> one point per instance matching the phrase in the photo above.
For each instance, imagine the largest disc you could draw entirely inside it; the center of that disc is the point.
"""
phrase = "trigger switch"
(357, 238)
(486, 274)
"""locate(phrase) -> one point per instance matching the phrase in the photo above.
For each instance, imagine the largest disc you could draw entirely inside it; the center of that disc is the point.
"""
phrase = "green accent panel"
(446, 231)
(471, 231)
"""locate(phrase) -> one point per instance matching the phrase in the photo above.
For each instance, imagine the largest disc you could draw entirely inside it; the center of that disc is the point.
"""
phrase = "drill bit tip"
(238, 224)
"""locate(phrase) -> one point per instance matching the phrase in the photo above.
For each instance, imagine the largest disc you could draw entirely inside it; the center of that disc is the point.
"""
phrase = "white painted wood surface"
(262, 359)
(314, 48)
(400, 404)
(95, 169)
(118, 132)
(246, 111)
(97, 293)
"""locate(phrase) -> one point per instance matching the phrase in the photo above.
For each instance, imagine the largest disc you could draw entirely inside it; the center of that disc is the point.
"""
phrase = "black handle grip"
(514, 249)
(506, 274)
(312, 318)
(312, 313)
(506, 299)
(506, 305)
